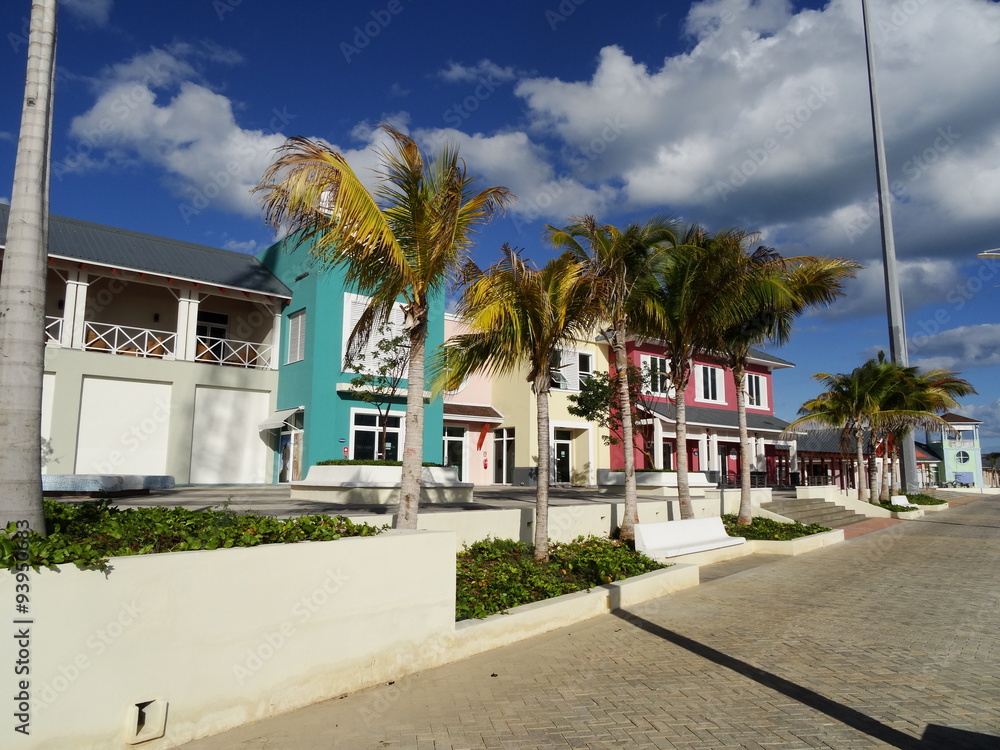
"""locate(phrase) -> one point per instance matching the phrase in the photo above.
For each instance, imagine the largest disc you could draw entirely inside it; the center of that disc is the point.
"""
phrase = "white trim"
(400, 431)
(719, 382)
(763, 405)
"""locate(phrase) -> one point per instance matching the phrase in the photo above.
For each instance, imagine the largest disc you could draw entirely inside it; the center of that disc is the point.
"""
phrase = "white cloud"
(482, 70)
(149, 110)
(243, 246)
(765, 120)
(512, 160)
(957, 348)
(922, 283)
(5, 200)
(96, 12)
(988, 414)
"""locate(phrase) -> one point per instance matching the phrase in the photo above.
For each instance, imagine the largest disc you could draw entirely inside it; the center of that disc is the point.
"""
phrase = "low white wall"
(227, 636)
(566, 522)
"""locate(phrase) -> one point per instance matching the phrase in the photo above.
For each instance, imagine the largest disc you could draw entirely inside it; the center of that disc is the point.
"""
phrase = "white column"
(657, 443)
(187, 324)
(276, 338)
(75, 310)
(702, 451)
(713, 448)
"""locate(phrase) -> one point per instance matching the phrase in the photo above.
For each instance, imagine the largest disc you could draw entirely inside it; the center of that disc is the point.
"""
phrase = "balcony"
(53, 329)
(233, 353)
(129, 341)
(147, 343)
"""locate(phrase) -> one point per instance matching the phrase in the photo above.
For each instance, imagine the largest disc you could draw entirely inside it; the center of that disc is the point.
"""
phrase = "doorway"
(562, 463)
(454, 448)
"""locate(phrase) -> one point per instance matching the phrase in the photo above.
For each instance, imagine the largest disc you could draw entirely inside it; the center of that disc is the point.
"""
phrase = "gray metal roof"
(702, 415)
(121, 248)
(770, 358)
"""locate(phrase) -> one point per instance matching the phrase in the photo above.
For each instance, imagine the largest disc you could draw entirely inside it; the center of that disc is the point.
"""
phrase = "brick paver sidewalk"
(888, 640)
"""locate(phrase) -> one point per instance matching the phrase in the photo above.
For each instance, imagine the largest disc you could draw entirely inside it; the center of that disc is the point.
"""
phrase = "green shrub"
(495, 575)
(86, 534)
(896, 508)
(919, 498)
(767, 529)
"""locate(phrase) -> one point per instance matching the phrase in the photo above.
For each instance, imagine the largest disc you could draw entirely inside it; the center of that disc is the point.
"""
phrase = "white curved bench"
(673, 538)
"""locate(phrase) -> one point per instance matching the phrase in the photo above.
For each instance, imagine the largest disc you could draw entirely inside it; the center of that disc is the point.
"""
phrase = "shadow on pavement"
(935, 737)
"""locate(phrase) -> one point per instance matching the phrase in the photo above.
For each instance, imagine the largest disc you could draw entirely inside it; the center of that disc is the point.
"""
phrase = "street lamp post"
(894, 300)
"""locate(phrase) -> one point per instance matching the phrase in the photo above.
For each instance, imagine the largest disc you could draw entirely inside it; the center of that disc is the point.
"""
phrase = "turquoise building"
(959, 450)
(317, 417)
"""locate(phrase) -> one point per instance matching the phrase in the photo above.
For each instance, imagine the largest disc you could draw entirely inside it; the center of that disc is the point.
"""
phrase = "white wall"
(48, 389)
(124, 427)
(225, 445)
(226, 637)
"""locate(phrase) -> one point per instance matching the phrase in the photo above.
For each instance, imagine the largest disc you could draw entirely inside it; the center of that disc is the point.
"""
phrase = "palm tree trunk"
(541, 389)
(22, 286)
(680, 430)
(413, 437)
(862, 476)
(745, 515)
(873, 488)
(885, 491)
(631, 516)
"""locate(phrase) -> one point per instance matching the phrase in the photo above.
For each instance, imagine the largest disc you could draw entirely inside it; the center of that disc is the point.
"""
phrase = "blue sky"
(724, 112)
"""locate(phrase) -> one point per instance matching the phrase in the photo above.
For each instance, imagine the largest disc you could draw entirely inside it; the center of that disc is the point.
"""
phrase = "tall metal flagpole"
(894, 301)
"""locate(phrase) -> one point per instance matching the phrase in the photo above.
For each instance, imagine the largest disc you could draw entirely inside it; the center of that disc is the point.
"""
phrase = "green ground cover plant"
(87, 534)
(919, 498)
(495, 575)
(896, 508)
(766, 529)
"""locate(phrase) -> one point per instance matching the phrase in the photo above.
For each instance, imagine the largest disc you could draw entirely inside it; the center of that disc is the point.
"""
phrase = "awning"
(279, 419)
(471, 413)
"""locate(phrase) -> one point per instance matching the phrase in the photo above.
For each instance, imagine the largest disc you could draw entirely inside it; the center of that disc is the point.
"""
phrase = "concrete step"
(814, 511)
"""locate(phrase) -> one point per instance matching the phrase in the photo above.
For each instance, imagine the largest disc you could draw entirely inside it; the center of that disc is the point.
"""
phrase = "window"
(213, 325)
(962, 457)
(572, 369)
(354, 307)
(296, 337)
(756, 391)
(367, 436)
(708, 384)
(658, 370)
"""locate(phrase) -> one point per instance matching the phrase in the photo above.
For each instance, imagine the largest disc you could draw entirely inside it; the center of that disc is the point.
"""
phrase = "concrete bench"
(105, 485)
(673, 538)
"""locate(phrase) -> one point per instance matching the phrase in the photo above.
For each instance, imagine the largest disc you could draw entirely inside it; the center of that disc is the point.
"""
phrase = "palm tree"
(519, 317)
(404, 241)
(921, 394)
(874, 401)
(621, 263)
(774, 292)
(697, 296)
(22, 285)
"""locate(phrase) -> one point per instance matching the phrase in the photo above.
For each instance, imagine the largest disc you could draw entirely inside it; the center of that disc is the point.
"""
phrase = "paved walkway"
(889, 640)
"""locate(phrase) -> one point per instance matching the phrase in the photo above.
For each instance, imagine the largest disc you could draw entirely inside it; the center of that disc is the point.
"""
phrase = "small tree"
(599, 401)
(378, 377)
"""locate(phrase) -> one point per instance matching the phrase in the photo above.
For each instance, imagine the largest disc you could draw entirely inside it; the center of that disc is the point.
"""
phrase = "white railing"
(53, 329)
(234, 353)
(133, 342)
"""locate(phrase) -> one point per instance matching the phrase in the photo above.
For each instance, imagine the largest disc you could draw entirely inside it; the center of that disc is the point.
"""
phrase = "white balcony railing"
(133, 342)
(233, 353)
(53, 329)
